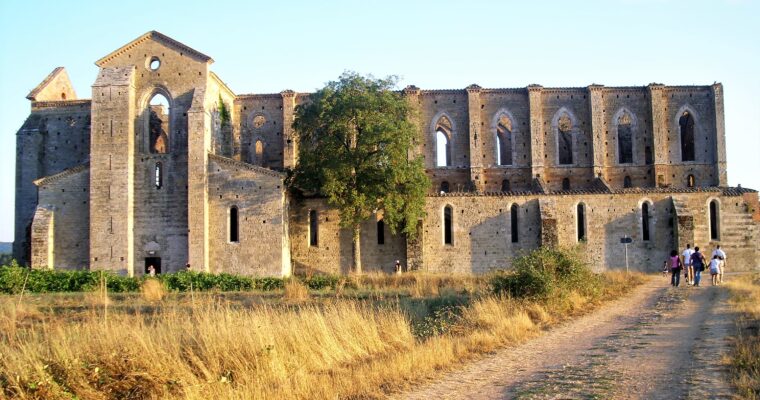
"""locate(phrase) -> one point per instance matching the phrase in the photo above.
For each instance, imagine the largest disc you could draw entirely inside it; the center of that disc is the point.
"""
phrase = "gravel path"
(657, 343)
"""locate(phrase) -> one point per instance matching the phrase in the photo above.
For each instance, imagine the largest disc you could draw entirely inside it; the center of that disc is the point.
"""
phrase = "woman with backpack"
(698, 261)
(675, 268)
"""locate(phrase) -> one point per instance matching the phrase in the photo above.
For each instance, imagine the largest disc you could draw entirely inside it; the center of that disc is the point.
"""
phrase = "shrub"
(546, 272)
(318, 282)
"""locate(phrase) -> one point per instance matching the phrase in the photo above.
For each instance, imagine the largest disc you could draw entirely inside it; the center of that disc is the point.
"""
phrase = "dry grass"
(336, 349)
(295, 291)
(152, 290)
(745, 355)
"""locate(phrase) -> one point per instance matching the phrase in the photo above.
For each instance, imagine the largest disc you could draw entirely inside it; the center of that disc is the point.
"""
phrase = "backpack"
(697, 260)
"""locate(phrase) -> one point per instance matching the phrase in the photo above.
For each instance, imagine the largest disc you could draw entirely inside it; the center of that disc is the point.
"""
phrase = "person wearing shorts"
(688, 267)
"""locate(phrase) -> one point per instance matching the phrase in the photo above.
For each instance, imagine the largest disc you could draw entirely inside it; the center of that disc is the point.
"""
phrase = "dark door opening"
(155, 262)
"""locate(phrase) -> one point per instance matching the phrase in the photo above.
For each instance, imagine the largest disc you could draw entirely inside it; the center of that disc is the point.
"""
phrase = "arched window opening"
(645, 231)
(504, 140)
(63, 96)
(158, 175)
(581, 219)
(505, 185)
(513, 223)
(444, 187)
(566, 184)
(380, 232)
(690, 181)
(686, 122)
(259, 153)
(313, 228)
(627, 182)
(448, 221)
(625, 139)
(158, 124)
(714, 221)
(443, 133)
(565, 139)
(234, 225)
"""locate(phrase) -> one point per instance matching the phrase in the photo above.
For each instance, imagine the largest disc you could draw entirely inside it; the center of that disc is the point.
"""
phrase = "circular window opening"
(154, 63)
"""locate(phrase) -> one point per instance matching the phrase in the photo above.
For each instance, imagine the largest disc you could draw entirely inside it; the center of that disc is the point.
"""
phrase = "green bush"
(546, 272)
(318, 282)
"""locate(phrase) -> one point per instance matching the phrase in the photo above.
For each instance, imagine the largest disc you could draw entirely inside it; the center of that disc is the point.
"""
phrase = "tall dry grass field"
(745, 355)
(334, 349)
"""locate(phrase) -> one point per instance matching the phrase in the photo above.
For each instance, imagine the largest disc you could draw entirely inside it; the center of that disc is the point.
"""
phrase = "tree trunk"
(357, 251)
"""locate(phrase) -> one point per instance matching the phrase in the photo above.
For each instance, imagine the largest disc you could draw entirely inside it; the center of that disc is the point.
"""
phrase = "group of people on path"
(693, 263)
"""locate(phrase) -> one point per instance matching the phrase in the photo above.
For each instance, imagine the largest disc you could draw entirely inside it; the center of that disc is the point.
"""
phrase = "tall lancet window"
(565, 139)
(504, 140)
(686, 122)
(443, 142)
(625, 139)
(158, 124)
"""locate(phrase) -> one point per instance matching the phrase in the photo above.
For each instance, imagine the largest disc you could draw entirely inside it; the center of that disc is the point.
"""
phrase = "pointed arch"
(443, 131)
(646, 213)
(713, 218)
(625, 126)
(686, 123)
(448, 224)
(157, 107)
(690, 181)
(504, 128)
(257, 154)
(565, 128)
(627, 182)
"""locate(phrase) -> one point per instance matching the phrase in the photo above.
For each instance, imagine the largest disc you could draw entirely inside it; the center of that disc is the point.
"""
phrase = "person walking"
(688, 268)
(715, 269)
(675, 268)
(722, 254)
(698, 262)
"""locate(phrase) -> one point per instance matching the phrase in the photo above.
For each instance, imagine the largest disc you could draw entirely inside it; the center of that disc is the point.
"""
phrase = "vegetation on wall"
(356, 137)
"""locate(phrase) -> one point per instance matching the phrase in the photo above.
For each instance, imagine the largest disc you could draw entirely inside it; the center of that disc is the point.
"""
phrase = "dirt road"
(657, 343)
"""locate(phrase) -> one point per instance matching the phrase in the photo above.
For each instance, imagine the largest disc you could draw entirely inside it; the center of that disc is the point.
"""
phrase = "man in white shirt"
(687, 266)
(722, 254)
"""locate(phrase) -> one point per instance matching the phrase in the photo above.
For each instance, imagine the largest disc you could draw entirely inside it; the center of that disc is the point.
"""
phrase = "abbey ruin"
(121, 181)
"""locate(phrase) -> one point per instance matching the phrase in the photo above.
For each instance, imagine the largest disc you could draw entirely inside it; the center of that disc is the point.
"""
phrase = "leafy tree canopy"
(355, 140)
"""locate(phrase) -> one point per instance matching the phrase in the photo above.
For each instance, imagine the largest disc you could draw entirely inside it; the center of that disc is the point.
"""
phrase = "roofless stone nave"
(120, 181)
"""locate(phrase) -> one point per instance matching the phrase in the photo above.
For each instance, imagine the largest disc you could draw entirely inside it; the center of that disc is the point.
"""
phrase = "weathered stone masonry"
(119, 182)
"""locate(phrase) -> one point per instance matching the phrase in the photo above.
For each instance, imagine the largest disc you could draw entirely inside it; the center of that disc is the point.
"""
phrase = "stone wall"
(60, 237)
(259, 197)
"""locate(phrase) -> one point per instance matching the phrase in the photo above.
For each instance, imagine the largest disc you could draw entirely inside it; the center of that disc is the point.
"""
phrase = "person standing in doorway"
(722, 254)
(151, 270)
(698, 262)
(687, 267)
(398, 266)
(675, 268)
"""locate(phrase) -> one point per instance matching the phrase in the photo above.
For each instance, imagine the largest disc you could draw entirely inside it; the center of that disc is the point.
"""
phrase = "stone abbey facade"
(121, 181)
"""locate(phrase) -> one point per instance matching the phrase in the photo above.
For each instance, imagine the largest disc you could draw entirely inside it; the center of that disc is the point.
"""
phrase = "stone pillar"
(476, 136)
(112, 170)
(658, 102)
(596, 104)
(43, 238)
(536, 131)
(548, 226)
(412, 95)
(415, 254)
(199, 145)
(720, 136)
(290, 140)
(29, 166)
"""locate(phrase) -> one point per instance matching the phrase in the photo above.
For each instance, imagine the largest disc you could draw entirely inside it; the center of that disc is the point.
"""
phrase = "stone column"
(658, 102)
(290, 141)
(112, 171)
(199, 144)
(475, 135)
(596, 103)
(536, 131)
(720, 136)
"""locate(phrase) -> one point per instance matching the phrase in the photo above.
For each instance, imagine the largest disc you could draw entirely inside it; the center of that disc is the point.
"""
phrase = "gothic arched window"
(504, 140)
(580, 216)
(443, 133)
(313, 228)
(714, 220)
(158, 124)
(158, 175)
(625, 139)
(234, 225)
(686, 122)
(645, 227)
(448, 225)
(627, 182)
(565, 139)
(513, 223)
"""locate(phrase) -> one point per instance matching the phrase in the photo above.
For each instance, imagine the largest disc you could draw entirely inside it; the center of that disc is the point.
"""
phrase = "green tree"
(355, 139)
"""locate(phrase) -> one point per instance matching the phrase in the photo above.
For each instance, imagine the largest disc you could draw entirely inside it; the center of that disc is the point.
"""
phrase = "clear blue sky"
(264, 47)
